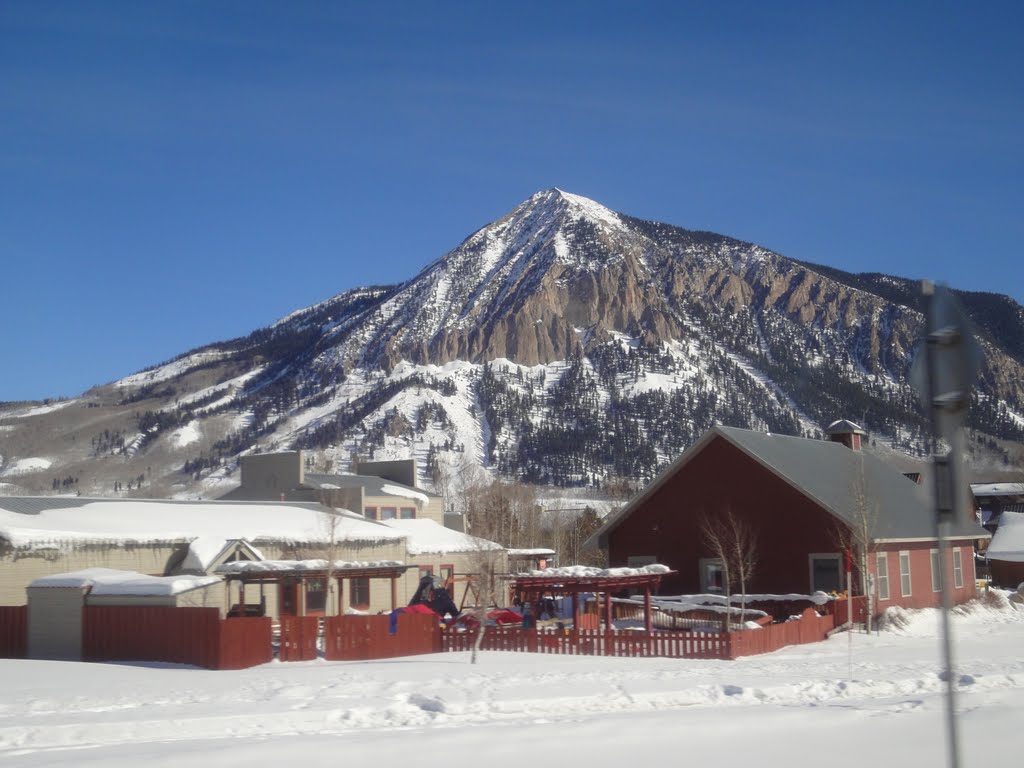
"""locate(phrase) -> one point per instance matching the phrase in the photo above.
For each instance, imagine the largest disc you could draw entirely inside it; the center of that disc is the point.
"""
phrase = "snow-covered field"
(851, 701)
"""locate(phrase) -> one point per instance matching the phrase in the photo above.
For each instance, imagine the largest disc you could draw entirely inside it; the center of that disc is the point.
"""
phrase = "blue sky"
(173, 174)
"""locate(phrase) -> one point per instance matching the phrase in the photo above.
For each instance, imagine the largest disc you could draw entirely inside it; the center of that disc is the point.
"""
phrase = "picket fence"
(13, 631)
(195, 636)
(810, 628)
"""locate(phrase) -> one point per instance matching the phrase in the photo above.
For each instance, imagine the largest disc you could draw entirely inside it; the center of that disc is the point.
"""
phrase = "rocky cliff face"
(564, 343)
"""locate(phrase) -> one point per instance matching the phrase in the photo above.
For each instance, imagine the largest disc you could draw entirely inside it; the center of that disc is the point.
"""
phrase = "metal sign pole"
(951, 358)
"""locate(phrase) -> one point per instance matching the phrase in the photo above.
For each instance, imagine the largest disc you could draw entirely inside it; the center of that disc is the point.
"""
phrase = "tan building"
(380, 490)
(43, 536)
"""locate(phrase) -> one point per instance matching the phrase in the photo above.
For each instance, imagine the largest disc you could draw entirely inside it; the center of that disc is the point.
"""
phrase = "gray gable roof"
(371, 484)
(829, 474)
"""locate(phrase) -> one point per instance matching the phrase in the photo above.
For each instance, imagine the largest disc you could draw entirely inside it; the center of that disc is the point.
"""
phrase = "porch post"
(394, 592)
(575, 619)
(608, 610)
(647, 624)
(341, 594)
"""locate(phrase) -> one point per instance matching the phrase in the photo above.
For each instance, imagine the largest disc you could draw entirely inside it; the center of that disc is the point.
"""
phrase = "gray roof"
(828, 473)
(371, 484)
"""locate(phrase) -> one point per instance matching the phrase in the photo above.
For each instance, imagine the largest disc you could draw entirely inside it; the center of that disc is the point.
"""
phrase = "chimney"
(846, 432)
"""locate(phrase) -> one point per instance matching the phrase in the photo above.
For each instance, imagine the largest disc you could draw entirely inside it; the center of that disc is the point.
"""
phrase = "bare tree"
(733, 542)
(857, 536)
(485, 562)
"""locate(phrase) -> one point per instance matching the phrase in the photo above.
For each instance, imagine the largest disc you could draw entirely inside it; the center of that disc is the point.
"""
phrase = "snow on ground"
(853, 700)
(172, 369)
(24, 466)
(39, 410)
(186, 435)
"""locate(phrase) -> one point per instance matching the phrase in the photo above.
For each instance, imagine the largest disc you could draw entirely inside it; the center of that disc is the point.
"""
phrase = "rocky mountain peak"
(563, 343)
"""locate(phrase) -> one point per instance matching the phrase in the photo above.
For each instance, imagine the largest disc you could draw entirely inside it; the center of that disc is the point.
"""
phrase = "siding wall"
(922, 595)
(432, 510)
(19, 569)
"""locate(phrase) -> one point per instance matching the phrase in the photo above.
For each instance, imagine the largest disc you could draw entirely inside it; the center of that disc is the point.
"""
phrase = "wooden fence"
(840, 610)
(195, 636)
(595, 642)
(298, 638)
(13, 631)
(361, 638)
(810, 628)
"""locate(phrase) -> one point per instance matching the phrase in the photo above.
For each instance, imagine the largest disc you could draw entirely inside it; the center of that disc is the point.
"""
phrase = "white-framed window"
(905, 573)
(882, 573)
(826, 572)
(712, 576)
(936, 571)
(958, 568)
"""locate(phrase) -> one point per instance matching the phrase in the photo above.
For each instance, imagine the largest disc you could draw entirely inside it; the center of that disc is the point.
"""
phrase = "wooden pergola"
(281, 576)
(531, 588)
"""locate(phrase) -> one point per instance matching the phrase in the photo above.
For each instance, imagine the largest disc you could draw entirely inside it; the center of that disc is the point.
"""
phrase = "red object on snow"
(416, 609)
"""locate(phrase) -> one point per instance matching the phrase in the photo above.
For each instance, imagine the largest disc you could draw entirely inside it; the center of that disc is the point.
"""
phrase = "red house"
(802, 498)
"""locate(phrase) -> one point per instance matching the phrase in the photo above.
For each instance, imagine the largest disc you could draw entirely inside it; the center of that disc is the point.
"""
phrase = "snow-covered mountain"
(564, 344)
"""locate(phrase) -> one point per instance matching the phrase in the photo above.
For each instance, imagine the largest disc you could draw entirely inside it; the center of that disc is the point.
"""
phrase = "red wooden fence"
(298, 638)
(13, 631)
(361, 638)
(840, 609)
(595, 642)
(811, 628)
(245, 642)
(178, 635)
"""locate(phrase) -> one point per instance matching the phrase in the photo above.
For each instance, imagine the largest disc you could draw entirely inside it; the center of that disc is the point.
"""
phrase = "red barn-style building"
(801, 497)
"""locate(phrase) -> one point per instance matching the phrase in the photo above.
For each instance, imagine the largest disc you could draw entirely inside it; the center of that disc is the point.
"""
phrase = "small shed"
(1006, 551)
(55, 603)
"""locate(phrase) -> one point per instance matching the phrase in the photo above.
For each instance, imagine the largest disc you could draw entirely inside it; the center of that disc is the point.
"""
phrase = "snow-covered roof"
(1008, 540)
(205, 550)
(38, 523)
(997, 489)
(536, 552)
(591, 572)
(108, 581)
(251, 566)
(390, 489)
(426, 537)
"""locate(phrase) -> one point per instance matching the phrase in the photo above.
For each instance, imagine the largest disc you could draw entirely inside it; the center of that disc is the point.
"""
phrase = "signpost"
(943, 373)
